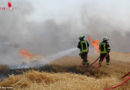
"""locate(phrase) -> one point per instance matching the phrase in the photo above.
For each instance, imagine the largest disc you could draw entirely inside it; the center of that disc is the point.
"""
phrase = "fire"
(95, 44)
(29, 55)
(26, 54)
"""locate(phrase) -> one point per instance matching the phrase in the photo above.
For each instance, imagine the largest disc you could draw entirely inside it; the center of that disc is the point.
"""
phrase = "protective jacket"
(83, 45)
(104, 47)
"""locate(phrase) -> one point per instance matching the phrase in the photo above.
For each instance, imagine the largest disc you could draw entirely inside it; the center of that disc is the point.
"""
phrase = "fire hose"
(118, 84)
(99, 65)
(95, 61)
(125, 75)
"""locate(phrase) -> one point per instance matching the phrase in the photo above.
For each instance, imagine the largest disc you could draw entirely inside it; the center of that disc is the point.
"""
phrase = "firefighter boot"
(107, 63)
(86, 63)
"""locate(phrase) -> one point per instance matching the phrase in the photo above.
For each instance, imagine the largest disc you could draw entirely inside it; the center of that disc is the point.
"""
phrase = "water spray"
(45, 60)
(53, 57)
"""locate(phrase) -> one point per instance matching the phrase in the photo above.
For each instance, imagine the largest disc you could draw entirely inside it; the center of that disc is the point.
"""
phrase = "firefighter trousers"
(102, 57)
(84, 56)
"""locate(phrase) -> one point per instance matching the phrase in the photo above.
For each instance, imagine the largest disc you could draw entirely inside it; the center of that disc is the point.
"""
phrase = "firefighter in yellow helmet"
(83, 45)
(104, 50)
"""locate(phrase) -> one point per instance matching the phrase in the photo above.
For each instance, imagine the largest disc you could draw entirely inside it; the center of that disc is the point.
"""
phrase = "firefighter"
(83, 45)
(104, 50)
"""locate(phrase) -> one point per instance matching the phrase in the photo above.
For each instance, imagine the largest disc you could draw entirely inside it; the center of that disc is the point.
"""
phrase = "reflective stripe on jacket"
(84, 46)
(104, 47)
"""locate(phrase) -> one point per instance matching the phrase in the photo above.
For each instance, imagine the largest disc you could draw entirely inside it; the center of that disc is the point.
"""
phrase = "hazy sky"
(59, 9)
(117, 11)
(115, 8)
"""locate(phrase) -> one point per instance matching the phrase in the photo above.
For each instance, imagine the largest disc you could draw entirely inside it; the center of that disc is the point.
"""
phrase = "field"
(67, 74)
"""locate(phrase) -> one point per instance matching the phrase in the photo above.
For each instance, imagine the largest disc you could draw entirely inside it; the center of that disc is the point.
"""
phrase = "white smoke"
(49, 37)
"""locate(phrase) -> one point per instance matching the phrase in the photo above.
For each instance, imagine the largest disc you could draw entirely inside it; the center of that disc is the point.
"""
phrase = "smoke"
(118, 38)
(49, 37)
(44, 38)
(120, 42)
(13, 32)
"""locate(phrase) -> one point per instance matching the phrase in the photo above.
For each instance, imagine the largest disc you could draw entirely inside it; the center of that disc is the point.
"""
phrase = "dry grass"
(65, 76)
(119, 56)
(34, 80)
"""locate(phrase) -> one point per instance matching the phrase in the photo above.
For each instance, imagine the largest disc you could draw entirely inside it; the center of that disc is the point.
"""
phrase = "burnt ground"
(84, 70)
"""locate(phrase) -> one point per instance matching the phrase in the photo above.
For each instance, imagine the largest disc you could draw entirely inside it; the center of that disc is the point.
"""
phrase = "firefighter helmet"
(105, 39)
(81, 37)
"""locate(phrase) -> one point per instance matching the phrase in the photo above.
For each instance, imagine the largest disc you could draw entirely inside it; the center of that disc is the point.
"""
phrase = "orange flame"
(95, 44)
(26, 54)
